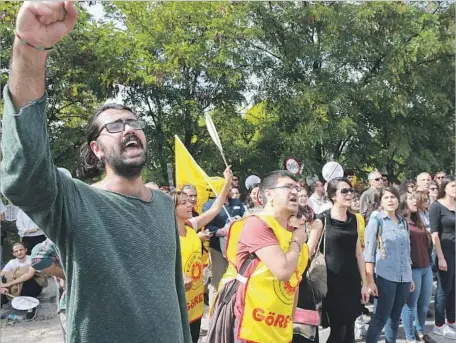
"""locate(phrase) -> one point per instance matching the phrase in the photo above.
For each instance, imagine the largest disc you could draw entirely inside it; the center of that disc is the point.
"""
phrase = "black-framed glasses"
(119, 126)
(345, 191)
(289, 187)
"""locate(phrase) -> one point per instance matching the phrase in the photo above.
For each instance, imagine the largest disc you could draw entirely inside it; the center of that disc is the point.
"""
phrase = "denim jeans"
(445, 297)
(416, 307)
(391, 299)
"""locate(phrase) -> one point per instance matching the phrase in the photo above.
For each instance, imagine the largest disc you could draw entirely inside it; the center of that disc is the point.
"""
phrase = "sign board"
(292, 166)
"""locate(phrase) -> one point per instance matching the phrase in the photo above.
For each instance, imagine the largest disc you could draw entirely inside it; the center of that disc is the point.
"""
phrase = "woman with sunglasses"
(418, 300)
(387, 254)
(192, 249)
(346, 277)
(442, 218)
(433, 191)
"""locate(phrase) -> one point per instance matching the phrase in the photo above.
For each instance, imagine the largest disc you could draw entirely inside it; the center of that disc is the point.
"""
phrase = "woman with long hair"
(346, 276)
(387, 254)
(442, 221)
(422, 204)
(306, 210)
(420, 244)
(192, 249)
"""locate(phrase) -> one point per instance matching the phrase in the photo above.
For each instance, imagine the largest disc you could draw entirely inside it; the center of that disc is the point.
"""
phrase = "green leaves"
(368, 84)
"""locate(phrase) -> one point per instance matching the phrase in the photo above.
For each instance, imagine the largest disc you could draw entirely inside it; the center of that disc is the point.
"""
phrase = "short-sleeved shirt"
(2, 210)
(442, 220)
(13, 264)
(255, 235)
(235, 208)
(2, 207)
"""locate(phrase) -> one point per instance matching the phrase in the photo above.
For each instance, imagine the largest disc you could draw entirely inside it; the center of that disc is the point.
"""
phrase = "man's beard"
(120, 167)
(129, 170)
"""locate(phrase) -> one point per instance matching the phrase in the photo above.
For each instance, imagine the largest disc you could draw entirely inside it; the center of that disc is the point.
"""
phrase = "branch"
(266, 51)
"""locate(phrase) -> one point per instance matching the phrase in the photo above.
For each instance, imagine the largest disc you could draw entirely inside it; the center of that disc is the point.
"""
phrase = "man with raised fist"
(117, 239)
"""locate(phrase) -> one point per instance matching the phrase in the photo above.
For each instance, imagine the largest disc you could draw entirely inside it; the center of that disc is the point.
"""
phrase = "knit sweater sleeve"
(181, 291)
(29, 177)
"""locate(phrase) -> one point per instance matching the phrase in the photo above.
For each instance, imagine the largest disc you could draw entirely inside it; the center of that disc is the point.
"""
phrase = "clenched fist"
(45, 23)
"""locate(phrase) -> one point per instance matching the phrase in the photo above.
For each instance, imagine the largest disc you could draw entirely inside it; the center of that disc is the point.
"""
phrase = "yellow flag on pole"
(189, 172)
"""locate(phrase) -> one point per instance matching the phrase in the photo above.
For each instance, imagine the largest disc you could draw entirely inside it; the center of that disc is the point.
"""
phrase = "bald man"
(423, 182)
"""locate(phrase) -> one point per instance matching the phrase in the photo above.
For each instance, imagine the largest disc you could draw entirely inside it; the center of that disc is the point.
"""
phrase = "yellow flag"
(189, 172)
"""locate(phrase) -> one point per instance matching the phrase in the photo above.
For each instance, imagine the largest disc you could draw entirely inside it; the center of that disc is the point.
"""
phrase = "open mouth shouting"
(293, 200)
(132, 144)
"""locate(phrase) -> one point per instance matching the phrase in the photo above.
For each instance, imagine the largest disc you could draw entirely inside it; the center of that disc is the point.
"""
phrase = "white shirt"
(193, 222)
(2, 210)
(26, 227)
(13, 264)
(318, 205)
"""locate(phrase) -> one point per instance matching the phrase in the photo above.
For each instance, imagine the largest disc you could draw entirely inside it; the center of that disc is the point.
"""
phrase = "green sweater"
(121, 255)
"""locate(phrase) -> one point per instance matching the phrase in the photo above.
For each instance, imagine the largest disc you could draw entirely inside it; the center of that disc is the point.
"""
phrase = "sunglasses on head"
(345, 191)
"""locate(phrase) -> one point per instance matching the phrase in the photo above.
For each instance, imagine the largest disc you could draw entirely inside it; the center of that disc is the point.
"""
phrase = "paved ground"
(45, 328)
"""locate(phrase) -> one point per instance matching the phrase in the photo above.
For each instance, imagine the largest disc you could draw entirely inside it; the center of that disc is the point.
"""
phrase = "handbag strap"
(323, 236)
(234, 286)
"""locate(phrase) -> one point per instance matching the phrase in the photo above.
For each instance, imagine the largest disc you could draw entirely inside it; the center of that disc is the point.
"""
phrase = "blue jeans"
(391, 298)
(417, 303)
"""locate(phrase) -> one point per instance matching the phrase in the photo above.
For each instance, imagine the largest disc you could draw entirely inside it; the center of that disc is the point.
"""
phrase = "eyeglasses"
(289, 187)
(440, 177)
(433, 188)
(119, 126)
(345, 191)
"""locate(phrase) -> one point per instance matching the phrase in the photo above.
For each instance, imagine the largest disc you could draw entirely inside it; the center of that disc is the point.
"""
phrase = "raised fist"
(45, 23)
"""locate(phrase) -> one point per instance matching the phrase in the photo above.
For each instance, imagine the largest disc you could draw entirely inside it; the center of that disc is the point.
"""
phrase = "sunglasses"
(345, 191)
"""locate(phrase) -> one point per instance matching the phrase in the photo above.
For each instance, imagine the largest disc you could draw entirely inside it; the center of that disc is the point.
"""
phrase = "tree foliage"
(368, 84)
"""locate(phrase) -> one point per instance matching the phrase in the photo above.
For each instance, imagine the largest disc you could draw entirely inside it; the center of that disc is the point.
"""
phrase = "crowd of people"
(130, 259)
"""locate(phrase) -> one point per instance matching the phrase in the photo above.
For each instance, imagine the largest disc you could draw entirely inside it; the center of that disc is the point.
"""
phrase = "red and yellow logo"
(285, 291)
(194, 269)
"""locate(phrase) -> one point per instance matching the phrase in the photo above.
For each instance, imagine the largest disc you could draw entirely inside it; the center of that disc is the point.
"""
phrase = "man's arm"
(24, 277)
(26, 156)
(180, 289)
(29, 177)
